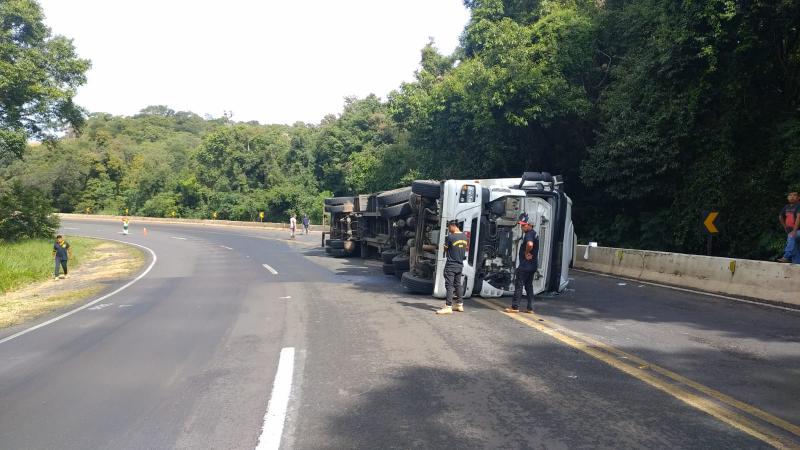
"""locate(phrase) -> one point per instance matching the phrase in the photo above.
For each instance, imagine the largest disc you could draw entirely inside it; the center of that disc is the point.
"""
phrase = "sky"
(264, 60)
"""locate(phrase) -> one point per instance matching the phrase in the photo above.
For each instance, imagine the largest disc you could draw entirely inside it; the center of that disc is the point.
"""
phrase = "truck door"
(461, 201)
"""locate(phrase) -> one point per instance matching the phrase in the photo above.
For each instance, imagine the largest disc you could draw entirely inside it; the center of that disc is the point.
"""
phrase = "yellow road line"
(604, 352)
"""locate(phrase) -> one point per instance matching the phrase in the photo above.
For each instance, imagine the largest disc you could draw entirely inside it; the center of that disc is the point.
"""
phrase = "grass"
(29, 261)
(23, 265)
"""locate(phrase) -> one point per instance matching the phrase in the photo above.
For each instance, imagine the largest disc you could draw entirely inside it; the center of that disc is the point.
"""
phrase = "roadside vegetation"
(27, 290)
(655, 111)
(30, 260)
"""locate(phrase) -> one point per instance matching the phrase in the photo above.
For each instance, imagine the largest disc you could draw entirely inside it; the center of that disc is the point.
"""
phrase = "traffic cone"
(144, 231)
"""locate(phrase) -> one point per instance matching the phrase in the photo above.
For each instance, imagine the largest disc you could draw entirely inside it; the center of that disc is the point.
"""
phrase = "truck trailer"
(406, 228)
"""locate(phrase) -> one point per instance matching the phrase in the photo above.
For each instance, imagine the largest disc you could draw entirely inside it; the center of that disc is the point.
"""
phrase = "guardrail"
(234, 223)
(762, 280)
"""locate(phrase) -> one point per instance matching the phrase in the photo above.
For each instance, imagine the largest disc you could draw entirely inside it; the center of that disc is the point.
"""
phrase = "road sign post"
(712, 230)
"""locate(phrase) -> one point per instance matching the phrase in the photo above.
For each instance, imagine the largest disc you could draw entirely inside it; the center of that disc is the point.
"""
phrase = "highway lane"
(186, 358)
(183, 358)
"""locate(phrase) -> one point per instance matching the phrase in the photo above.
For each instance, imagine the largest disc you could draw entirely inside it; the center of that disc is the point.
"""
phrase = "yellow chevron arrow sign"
(709, 222)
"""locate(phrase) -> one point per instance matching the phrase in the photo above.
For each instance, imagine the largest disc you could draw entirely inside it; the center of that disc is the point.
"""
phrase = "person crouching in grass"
(62, 253)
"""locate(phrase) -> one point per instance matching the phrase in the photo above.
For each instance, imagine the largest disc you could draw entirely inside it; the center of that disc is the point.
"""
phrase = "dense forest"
(655, 111)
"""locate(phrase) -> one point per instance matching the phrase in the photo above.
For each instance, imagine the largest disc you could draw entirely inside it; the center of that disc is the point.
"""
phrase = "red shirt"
(789, 214)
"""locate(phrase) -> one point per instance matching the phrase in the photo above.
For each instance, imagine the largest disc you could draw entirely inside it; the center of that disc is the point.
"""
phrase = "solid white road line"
(93, 302)
(273, 271)
(275, 417)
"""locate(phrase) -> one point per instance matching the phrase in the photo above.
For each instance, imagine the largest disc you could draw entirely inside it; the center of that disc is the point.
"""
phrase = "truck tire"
(401, 266)
(388, 255)
(328, 250)
(336, 244)
(339, 201)
(388, 269)
(417, 285)
(401, 263)
(344, 208)
(393, 197)
(427, 188)
(403, 209)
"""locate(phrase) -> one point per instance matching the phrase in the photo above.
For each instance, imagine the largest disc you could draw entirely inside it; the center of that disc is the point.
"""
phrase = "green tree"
(39, 74)
(25, 213)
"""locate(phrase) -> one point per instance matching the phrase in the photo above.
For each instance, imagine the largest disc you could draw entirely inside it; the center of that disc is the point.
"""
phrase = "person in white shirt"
(293, 224)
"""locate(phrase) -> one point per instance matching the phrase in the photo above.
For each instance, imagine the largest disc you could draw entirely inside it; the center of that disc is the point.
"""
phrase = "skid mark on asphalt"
(275, 417)
(721, 406)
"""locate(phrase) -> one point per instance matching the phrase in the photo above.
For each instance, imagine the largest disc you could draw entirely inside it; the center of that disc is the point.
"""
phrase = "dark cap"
(452, 222)
(524, 219)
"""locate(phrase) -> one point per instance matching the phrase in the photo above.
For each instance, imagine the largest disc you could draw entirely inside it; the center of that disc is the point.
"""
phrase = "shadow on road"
(434, 407)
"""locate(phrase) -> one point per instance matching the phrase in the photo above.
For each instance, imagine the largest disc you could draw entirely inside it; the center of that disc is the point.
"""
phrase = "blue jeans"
(62, 263)
(792, 250)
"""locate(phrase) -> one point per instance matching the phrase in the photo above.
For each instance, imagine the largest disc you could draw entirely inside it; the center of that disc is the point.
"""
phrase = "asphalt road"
(187, 356)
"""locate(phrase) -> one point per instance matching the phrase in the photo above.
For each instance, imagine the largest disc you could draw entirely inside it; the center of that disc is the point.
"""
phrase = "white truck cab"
(488, 211)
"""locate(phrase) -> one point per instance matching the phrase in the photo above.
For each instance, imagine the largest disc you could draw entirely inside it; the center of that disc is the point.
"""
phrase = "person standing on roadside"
(125, 223)
(528, 264)
(455, 252)
(293, 224)
(62, 253)
(790, 220)
(305, 223)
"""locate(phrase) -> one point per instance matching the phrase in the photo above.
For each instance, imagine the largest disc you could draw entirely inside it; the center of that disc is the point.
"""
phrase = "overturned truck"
(406, 228)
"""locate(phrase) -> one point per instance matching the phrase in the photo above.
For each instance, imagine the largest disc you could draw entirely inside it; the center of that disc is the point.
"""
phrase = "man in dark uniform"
(528, 263)
(455, 252)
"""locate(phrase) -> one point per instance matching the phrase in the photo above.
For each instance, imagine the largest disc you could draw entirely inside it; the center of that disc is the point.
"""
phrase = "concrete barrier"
(233, 223)
(761, 280)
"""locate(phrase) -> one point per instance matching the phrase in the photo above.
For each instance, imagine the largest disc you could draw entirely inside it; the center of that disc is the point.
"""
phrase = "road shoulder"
(108, 264)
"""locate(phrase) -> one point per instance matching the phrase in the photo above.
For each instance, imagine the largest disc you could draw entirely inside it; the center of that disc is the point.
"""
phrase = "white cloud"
(275, 62)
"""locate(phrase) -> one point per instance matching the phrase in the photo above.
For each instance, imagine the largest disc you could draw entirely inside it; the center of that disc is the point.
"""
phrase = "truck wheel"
(388, 269)
(328, 250)
(393, 197)
(388, 255)
(400, 263)
(427, 188)
(403, 209)
(417, 285)
(344, 208)
(336, 244)
(333, 201)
